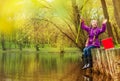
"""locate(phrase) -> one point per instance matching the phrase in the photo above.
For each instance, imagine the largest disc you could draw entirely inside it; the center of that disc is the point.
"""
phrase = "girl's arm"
(101, 30)
(84, 27)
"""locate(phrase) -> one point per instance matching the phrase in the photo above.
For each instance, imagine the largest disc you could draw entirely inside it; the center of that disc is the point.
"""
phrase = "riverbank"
(49, 50)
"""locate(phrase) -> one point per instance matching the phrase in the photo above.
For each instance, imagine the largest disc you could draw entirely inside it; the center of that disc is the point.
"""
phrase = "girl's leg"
(89, 50)
(85, 55)
(89, 58)
(85, 52)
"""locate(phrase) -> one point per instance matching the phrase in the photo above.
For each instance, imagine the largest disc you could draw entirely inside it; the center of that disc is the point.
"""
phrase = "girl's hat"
(108, 43)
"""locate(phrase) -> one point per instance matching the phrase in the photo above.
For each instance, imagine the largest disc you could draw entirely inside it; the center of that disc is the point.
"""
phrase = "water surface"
(44, 67)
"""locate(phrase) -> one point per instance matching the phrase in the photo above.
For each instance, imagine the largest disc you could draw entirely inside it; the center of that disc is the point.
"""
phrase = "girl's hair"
(92, 22)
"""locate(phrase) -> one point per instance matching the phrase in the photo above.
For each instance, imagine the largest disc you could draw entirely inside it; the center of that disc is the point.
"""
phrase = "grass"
(47, 49)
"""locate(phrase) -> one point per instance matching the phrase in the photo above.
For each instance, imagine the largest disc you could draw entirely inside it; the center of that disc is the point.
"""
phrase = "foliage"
(49, 23)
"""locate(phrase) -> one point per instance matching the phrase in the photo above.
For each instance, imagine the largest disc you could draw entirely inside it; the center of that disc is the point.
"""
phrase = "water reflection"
(43, 67)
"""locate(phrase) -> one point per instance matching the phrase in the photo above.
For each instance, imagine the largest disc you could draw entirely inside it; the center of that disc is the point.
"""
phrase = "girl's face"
(94, 23)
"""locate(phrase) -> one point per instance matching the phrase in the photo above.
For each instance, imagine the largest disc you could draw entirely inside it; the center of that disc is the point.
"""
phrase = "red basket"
(108, 43)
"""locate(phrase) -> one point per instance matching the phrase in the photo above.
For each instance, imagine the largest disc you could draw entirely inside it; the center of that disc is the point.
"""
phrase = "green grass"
(52, 50)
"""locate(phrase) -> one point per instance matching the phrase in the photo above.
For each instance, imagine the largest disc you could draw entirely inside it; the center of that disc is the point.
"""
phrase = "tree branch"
(64, 33)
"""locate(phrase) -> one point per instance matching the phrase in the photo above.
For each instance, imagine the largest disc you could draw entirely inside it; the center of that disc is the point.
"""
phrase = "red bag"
(108, 43)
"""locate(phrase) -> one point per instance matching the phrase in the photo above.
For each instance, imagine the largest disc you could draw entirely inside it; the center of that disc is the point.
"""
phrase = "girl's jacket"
(93, 34)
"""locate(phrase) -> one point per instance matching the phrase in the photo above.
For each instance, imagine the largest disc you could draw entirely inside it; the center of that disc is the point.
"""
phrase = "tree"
(116, 4)
(105, 11)
(3, 41)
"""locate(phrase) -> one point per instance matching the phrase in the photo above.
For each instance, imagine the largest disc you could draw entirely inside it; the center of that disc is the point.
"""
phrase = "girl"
(92, 42)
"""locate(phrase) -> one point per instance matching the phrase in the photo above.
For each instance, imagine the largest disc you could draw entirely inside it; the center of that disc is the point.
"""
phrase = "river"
(32, 66)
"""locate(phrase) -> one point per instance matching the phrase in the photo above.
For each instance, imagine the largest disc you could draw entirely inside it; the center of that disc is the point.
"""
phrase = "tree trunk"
(3, 42)
(116, 4)
(76, 20)
(117, 35)
(76, 15)
(10, 43)
(20, 46)
(37, 47)
(36, 34)
(109, 27)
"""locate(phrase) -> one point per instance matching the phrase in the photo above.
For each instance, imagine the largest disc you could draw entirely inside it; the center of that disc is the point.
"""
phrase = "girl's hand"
(81, 19)
(105, 21)
(86, 44)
